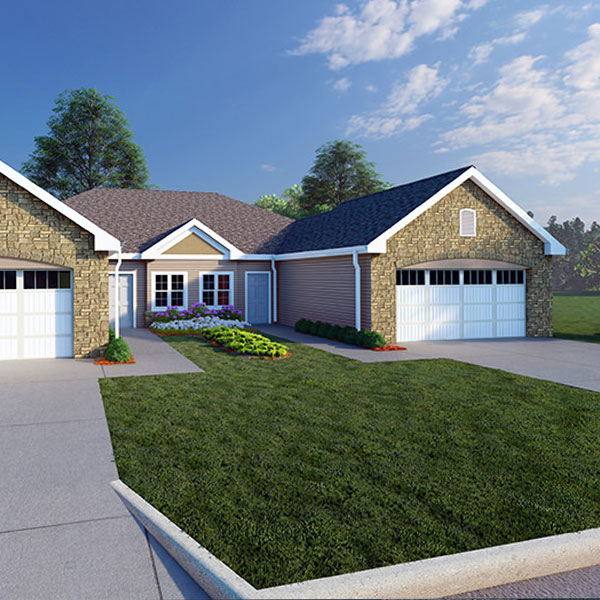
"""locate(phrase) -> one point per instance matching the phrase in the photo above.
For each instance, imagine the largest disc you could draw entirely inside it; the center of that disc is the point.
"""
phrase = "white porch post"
(356, 290)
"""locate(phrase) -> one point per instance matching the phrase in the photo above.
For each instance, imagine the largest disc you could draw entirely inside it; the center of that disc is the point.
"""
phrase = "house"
(447, 257)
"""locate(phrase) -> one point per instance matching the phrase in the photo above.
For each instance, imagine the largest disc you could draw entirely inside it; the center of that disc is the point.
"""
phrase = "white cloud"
(370, 88)
(534, 120)
(342, 85)
(529, 18)
(381, 29)
(480, 53)
(268, 167)
(397, 114)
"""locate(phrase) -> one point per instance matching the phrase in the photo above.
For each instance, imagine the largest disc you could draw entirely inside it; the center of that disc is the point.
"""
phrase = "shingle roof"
(357, 222)
(140, 218)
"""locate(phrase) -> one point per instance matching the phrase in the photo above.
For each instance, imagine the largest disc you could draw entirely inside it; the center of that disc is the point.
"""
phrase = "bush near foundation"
(117, 351)
(349, 335)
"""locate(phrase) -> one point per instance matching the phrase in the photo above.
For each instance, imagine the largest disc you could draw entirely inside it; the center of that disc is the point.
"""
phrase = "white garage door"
(455, 304)
(36, 314)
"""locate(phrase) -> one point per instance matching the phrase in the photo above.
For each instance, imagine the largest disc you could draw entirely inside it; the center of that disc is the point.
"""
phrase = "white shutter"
(468, 222)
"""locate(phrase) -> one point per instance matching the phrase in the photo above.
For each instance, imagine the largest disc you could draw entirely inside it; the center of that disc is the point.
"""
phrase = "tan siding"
(192, 244)
(139, 267)
(364, 261)
(317, 289)
(240, 284)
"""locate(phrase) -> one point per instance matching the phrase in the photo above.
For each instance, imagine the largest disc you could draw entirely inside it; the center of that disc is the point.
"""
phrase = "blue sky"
(235, 97)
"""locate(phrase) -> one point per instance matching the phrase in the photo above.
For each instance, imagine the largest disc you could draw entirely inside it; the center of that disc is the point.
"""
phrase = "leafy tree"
(575, 270)
(340, 172)
(288, 203)
(89, 145)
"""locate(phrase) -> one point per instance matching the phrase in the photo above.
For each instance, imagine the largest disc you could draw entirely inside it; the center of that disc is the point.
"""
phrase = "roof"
(141, 218)
(103, 241)
(360, 221)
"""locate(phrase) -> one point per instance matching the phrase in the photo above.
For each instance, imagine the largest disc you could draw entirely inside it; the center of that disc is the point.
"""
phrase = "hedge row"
(348, 335)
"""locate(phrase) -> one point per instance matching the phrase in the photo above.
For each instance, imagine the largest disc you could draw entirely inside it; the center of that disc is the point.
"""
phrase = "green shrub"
(302, 326)
(111, 334)
(330, 332)
(336, 332)
(371, 339)
(314, 328)
(117, 350)
(244, 342)
(323, 328)
(348, 335)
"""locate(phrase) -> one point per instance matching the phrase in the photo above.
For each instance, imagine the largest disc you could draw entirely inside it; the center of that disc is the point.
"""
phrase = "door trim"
(134, 283)
(270, 293)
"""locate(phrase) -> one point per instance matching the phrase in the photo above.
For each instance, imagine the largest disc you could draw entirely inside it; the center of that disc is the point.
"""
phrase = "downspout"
(356, 290)
(274, 316)
(117, 293)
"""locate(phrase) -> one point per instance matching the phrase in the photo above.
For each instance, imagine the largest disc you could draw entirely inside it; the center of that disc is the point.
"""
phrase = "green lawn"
(577, 316)
(317, 465)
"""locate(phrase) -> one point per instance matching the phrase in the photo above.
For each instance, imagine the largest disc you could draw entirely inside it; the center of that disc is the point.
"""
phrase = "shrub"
(330, 332)
(348, 335)
(322, 330)
(245, 342)
(117, 350)
(371, 339)
(336, 332)
(314, 328)
(302, 326)
(111, 334)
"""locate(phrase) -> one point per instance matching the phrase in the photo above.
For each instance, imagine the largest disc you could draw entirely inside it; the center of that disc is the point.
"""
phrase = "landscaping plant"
(245, 342)
(117, 351)
(348, 335)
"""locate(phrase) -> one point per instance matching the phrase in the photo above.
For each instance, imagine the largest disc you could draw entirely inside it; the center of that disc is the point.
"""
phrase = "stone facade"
(434, 235)
(31, 230)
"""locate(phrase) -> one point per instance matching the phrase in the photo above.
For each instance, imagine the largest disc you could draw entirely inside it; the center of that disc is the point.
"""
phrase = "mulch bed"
(102, 361)
(388, 348)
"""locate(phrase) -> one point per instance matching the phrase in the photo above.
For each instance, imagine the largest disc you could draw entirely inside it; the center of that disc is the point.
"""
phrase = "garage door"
(454, 304)
(36, 314)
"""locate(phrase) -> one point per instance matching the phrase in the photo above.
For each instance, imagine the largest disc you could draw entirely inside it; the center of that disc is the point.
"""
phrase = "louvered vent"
(468, 222)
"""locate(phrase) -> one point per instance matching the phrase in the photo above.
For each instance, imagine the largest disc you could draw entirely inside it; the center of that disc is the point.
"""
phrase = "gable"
(193, 244)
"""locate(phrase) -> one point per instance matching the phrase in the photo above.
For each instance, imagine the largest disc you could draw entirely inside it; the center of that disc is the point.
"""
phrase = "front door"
(257, 297)
(127, 312)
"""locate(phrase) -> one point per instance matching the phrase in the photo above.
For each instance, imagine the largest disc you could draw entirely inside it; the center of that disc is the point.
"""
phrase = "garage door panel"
(510, 311)
(8, 348)
(476, 293)
(439, 314)
(412, 332)
(413, 295)
(478, 329)
(510, 293)
(444, 331)
(412, 314)
(44, 325)
(8, 302)
(50, 347)
(445, 295)
(478, 312)
(510, 329)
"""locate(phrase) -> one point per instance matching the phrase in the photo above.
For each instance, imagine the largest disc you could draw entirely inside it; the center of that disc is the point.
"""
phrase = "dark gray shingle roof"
(357, 222)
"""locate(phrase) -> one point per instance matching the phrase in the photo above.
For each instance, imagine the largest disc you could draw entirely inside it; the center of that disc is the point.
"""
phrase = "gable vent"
(468, 222)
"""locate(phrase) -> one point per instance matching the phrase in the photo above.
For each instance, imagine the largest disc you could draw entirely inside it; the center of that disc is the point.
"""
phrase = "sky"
(235, 97)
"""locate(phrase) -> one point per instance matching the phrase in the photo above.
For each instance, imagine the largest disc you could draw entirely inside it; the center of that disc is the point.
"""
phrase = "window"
(46, 280)
(216, 289)
(444, 277)
(410, 277)
(468, 222)
(478, 277)
(170, 290)
(509, 277)
(8, 280)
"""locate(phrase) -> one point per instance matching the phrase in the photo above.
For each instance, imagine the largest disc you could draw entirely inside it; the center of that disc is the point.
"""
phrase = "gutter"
(117, 293)
(356, 289)
(274, 315)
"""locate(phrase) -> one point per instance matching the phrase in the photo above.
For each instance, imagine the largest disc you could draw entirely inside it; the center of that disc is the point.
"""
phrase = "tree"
(288, 203)
(589, 263)
(89, 145)
(340, 172)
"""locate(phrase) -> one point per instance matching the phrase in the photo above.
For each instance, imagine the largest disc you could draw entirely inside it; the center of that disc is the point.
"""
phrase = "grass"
(577, 316)
(318, 465)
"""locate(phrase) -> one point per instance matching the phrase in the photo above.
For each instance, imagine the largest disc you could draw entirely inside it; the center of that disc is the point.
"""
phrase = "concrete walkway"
(563, 361)
(63, 531)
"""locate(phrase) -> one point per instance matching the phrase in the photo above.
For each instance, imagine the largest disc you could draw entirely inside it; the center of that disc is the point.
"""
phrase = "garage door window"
(478, 277)
(510, 277)
(410, 277)
(46, 280)
(8, 280)
(445, 277)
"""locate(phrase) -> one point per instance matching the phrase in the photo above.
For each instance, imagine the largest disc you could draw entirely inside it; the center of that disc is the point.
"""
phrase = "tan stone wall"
(434, 235)
(31, 230)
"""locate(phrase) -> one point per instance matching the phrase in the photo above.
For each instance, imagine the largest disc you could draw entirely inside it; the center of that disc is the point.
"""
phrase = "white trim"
(274, 290)
(201, 230)
(153, 274)
(356, 290)
(201, 275)
(461, 228)
(103, 241)
(270, 318)
(349, 250)
(134, 283)
(551, 245)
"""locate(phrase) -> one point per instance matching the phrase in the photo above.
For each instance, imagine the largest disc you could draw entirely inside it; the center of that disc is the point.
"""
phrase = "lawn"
(317, 465)
(577, 316)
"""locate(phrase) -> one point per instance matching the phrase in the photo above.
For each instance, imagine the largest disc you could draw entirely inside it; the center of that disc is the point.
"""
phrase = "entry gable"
(193, 240)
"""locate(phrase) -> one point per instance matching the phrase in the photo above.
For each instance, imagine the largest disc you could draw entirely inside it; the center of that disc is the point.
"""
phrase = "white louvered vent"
(468, 222)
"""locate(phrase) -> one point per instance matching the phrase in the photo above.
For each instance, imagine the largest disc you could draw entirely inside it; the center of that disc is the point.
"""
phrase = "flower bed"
(197, 310)
(195, 325)
(103, 361)
(245, 343)
(347, 335)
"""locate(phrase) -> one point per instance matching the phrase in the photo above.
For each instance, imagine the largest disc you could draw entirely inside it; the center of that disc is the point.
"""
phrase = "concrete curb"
(429, 578)
(212, 575)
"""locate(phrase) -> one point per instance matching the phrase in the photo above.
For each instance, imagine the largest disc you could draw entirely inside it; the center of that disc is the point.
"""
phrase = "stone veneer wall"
(30, 229)
(434, 235)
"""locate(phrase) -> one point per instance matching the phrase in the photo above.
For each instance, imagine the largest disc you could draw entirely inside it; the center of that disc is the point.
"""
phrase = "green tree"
(89, 145)
(589, 262)
(340, 172)
(288, 203)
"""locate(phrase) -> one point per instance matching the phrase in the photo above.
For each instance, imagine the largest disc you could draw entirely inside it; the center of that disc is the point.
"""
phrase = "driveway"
(63, 531)
(562, 361)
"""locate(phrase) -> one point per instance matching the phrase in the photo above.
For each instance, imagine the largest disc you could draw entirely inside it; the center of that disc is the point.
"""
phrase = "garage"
(36, 313)
(455, 304)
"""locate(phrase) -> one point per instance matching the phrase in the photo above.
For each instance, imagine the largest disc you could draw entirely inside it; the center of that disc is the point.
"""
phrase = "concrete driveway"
(562, 361)
(63, 531)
